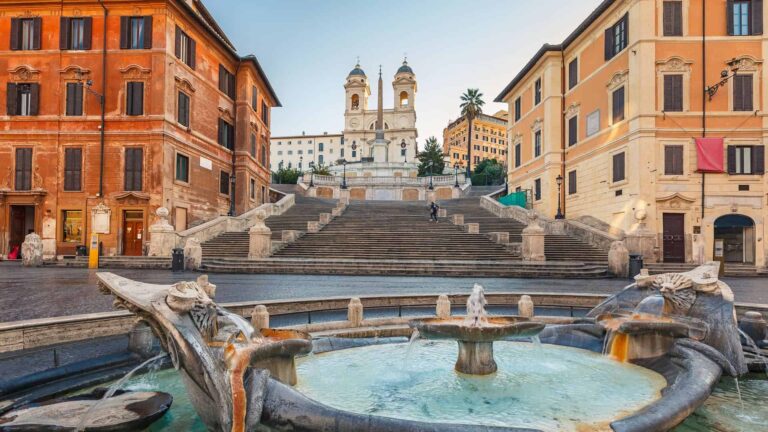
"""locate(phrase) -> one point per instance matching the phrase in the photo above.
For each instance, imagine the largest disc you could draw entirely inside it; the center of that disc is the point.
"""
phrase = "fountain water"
(757, 351)
(476, 314)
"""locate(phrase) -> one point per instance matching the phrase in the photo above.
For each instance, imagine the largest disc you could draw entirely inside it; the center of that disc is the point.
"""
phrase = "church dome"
(405, 68)
(357, 71)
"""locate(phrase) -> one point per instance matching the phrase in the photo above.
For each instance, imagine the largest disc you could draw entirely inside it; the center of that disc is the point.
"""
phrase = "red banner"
(709, 152)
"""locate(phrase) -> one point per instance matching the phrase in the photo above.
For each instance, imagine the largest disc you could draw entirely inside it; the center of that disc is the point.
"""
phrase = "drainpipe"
(561, 191)
(103, 102)
(703, 97)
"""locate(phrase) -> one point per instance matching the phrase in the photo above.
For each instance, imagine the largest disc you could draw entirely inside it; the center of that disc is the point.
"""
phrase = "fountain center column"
(475, 358)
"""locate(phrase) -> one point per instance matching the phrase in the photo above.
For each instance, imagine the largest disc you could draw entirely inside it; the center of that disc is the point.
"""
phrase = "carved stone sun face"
(677, 290)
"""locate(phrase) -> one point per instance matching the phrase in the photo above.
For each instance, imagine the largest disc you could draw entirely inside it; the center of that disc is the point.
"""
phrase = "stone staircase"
(556, 247)
(393, 230)
(235, 244)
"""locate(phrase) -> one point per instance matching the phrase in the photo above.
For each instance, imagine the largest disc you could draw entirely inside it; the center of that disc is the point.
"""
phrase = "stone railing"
(581, 231)
(438, 180)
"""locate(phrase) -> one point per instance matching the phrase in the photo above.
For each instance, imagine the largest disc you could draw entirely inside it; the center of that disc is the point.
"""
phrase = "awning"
(709, 155)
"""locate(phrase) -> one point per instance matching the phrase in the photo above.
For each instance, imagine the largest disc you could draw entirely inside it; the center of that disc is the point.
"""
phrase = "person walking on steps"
(433, 208)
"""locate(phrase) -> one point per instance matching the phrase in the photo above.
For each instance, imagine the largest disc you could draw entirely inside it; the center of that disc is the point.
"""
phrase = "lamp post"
(456, 173)
(280, 172)
(344, 178)
(559, 181)
(430, 164)
(312, 174)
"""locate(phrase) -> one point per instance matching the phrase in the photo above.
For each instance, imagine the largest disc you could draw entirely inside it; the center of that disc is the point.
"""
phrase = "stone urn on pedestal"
(162, 235)
(641, 240)
(260, 238)
(533, 239)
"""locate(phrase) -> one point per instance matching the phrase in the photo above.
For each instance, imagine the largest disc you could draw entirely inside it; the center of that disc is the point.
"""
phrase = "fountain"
(476, 333)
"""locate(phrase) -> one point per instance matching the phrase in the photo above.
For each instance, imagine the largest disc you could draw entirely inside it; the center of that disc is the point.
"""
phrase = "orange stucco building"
(184, 113)
(489, 140)
(616, 108)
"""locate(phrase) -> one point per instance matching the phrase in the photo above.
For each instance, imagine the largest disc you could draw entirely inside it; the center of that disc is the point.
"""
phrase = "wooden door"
(133, 237)
(674, 237)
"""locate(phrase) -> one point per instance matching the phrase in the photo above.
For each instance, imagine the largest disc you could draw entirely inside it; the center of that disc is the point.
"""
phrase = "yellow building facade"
(615, 111)
(489, 139)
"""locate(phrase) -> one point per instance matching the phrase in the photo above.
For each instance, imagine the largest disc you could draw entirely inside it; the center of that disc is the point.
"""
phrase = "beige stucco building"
(616, 108)
(489, 139)
(297, 151)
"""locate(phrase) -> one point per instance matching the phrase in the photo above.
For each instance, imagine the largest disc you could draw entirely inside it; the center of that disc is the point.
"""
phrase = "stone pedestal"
(162, 235)
(430, 196)
(472, 228)
(443, 309)
(456, 193)
(312, 192)
(260, 317)
(141, 341)
(344, 196)
(355, 312)
(641, 240)
(260, 238)
(325, 218)
(499, 237)
(336, 212)
(698, 249)
(289, 236)
(313, 226)
(557, 227)
(618, 259)
(32, 251)
(193, 254)
(525, 306)
(533, 240)
(457, 219)
(442, 213)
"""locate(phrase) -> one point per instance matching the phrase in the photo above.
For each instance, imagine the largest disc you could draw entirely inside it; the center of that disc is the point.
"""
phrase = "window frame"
(737, 79)
(130, 98)
(614, 180)
(222, 182)
(623, 89)
(572, 183)
(573, 73)
(68, 182)
(537, 91)
(187, 171)
(140, 180)
(677, 27)
(667, 149)
(518, 109)
(537, 193)
(23, 156)
(573, 130)
(75, 109)
(538, 143)
(617, 37)
(187, 123)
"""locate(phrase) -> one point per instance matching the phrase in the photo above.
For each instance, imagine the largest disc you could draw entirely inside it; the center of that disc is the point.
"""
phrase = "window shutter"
(79, 98)
(128, 170)
(738, 93)
(608, 43)
(678, 92)
(78, 169)
(678, 27)
(125, 31)
(731, 160)
(221, 132)
(668, 17)
(626, 30)
(34, 105)
(10, 99)
(139, 169)
(138, 98)
(178, 42)
(70, 99)
(748, 96)
(67, 170)
(38, 27)
(756, 14)
(64, 24)
(669, 90)
(87, 33)
(758, 159)
(147, 32)
(192, 50)
(15, 29)
(729, 16)
(231, 86)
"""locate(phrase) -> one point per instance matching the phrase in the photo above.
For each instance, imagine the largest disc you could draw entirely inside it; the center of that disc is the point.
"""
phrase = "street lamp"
(456, 173)
(724, 77)
(312, 178)
(559, 181)
(430, 164)
(280, 173)
(344, 179)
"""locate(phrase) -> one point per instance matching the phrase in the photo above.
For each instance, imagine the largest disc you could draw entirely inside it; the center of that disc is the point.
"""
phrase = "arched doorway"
(737, 234)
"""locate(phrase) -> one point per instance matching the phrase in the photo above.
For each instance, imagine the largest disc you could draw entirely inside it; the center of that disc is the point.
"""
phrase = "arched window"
(355, 102)
(403, 99)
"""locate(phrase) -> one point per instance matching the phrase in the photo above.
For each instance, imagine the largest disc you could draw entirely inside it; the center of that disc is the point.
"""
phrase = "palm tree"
(471, 106)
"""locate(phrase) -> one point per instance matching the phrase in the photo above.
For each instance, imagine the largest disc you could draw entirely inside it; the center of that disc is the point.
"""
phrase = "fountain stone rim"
(498, 328)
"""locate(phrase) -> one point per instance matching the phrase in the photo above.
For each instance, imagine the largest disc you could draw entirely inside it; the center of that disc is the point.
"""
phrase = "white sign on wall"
(593, 123)
(206, 163)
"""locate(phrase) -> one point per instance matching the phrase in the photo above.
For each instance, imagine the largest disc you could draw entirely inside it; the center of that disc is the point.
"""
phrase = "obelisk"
(379, 150)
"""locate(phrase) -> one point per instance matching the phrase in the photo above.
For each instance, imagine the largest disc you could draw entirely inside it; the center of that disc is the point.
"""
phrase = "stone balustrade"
(437, 180)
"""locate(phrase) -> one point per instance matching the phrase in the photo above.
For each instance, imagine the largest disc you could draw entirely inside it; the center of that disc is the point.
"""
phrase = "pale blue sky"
(307, 48)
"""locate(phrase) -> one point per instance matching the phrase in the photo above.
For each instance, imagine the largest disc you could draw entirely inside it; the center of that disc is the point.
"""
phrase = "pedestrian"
(433, 208)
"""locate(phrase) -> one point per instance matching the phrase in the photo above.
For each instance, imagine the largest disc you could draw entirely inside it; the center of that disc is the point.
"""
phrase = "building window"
(616, 38)
(618, 167)
(73, 169)
(183, 109)
(738, 15)
(253, 145)
(185, 48)
(742, 93)
(673, 18)
(264, 113)
(135, 32)
(25, 33)
(518, 155)
(72, 226)
(355, 102)
(673, 93)
(253, 189)
(746, 159)
(537, 190)
(354, 154)
(23, 99)
(254, 98)
(182, 168)
(319, 147)
(23, 180)
(573, 73)
(537, 144)
(134, 169)
(572, 182)
(74, 101)
(320, 160)
(75, 33)
(226, 82)
(537, 92)
(518, 109)
(224, 183)
(573, 130)
(673, 160)
(134, 101)
(618, 105)
(226, 135)
(263, 159)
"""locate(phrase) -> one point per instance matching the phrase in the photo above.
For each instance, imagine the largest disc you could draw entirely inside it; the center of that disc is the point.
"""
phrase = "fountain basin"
(476, 342)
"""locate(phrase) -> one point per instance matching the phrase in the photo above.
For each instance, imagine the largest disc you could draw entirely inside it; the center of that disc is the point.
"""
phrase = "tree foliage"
(433, 153)
(320, 169)
(286, 176)
(488, 172)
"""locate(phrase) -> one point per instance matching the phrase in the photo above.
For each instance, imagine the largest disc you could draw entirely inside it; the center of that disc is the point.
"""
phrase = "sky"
(307, 48)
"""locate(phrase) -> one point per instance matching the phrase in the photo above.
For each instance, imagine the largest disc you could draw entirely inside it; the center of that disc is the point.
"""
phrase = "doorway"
(737, 233)
(22, 222)
(674, 237)
(133, 233)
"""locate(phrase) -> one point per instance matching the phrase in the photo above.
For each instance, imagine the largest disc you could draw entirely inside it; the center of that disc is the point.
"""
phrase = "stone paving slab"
(31, 293)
